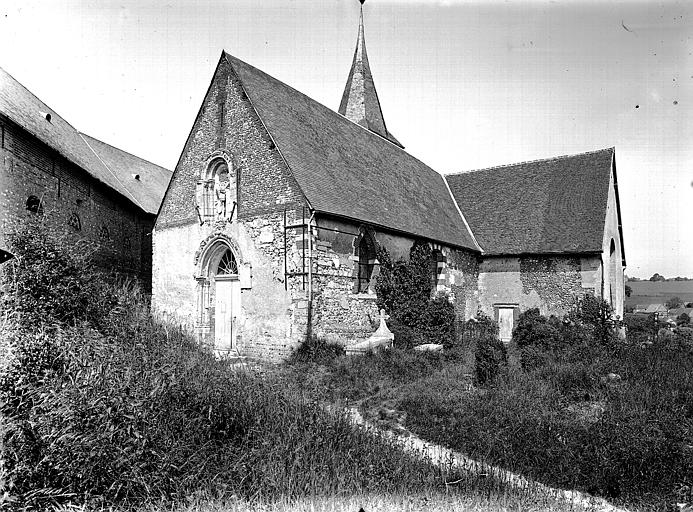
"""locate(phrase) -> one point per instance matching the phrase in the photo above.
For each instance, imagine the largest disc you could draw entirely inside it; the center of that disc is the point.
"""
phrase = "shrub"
(107, 406)
(316, 350)
(535, 336)
(490, 358)
(54, 279)
(683, 320)
(639, 327)
(597, 315)
(404, 291)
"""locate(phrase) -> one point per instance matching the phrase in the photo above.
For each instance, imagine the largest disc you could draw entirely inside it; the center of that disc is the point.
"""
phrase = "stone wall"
(343, 316)
(274, 315)
(550, 283)
(72, 204)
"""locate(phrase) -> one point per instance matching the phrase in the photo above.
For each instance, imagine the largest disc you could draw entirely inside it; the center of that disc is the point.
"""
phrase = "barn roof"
(556, 205)
(111, 166)
(346, 170)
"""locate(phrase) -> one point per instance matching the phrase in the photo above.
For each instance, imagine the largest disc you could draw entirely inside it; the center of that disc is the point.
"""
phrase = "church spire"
(360, 100)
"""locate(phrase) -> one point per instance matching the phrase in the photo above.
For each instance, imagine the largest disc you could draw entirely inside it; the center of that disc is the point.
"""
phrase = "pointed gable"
(360, 102)
(556, 205)
(348, 171)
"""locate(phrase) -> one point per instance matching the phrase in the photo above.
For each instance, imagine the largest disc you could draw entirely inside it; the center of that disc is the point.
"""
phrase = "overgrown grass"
(561, 420)
(105, 408)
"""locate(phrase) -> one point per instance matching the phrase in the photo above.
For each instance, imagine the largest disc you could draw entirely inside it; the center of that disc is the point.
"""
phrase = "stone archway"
(218, 294)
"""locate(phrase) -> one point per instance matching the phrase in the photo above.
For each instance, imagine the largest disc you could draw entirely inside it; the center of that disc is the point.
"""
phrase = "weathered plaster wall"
(612, 266)
(30, 168)
(550, 283)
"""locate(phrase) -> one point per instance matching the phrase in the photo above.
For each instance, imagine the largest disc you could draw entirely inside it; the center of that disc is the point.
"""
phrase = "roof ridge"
(464, 219)
(134, 199)
(502, 166)
(126, 152)
(370, 132)
(53, 111)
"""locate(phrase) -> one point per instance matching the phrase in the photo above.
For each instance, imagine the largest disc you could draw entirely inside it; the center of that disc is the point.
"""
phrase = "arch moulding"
(209, 246)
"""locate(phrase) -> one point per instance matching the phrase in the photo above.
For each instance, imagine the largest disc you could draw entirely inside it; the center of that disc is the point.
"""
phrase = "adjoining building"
(81, 187)
(269, 230)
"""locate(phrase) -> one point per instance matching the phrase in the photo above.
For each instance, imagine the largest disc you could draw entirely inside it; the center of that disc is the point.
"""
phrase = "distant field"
(648, 292)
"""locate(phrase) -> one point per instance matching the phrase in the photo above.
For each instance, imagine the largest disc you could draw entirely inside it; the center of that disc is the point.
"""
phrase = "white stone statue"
(221, 196)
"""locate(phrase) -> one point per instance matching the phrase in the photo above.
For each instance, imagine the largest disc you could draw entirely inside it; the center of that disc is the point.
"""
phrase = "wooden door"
(223, 314)
(505, 324)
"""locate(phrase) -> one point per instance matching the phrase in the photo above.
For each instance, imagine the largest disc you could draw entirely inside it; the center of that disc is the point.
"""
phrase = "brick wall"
(67, 193)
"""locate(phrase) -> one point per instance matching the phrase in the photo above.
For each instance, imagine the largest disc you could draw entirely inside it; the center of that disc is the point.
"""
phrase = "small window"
(227, 265)
(104, 234)
(366, 262)
(74, 222)
(34, 205)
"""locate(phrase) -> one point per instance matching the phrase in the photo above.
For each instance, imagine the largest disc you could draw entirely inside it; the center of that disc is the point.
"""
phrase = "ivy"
(404, 289)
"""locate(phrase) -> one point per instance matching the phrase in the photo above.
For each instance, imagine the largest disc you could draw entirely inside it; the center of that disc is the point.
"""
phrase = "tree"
(657, 277)
(673, 303)
(683, 320)
(629, 290)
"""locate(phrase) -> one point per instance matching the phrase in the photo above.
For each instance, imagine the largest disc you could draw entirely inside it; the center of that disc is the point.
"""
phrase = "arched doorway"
(219, 297)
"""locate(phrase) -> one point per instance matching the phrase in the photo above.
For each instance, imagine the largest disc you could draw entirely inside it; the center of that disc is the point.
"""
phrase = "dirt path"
(455, 460)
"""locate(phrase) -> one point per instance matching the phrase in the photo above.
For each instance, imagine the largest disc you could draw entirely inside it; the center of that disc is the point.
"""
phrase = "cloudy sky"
(463, 84)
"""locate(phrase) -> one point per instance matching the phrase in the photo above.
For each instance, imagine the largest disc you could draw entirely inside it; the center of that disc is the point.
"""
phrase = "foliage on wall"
(404, 288)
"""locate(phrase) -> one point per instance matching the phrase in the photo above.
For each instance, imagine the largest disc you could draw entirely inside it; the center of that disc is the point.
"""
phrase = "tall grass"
(101, 404)
(560, 419)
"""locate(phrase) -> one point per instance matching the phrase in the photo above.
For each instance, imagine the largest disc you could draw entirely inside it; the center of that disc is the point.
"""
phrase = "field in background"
(649, 292)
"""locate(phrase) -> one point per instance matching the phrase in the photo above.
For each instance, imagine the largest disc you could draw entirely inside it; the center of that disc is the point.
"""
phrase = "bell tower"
(360, 102)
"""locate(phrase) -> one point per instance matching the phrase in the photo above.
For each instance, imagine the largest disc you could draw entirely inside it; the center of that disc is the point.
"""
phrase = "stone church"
(80, 187)
(269, 229)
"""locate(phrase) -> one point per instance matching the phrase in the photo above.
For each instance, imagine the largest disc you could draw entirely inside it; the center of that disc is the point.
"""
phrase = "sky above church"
(462, 84)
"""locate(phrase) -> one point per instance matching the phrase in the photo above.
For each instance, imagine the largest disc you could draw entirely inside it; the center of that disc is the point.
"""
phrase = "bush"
(404, 291)
(536, 337)
(105, 405)
(683, 320)
(490, 358)
(316, 350)
(597, 315)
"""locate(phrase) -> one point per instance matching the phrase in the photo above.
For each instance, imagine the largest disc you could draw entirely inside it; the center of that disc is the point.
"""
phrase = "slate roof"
(556, 205)
(105, 163)
(345, 170)
(360, 101)
(149, 189)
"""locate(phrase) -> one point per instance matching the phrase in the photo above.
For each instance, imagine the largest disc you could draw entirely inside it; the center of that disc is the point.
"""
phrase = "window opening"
(33, 204)
(74, 222)
(366, 261)
(227, 264)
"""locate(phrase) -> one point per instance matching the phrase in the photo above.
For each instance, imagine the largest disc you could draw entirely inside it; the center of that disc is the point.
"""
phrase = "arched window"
(33, 204)
(366, 262)
(227, 264)
(74, 222)
(612, 271)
